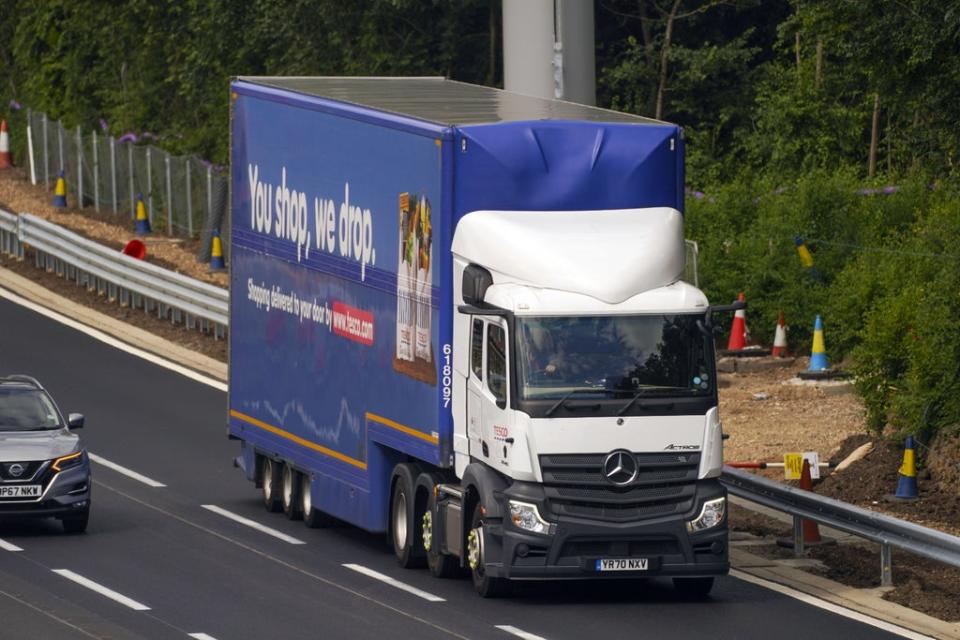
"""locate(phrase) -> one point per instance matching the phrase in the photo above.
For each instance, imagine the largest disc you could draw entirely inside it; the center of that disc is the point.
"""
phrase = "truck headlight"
(711, 514)
(526, 516)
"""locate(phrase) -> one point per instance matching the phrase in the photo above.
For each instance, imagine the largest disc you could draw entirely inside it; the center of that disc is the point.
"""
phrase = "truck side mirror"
(476, 281)
(706, 325)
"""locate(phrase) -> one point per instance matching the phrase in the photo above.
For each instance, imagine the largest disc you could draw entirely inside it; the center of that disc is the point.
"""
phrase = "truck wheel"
(693, 588)
(76, 523)
(270, 481)
(290, 492)
(440, 564)
(486, 586)
(311, 517)
(404, 521)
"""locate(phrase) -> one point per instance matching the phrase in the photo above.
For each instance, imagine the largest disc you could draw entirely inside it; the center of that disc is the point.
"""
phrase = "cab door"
(475, 387)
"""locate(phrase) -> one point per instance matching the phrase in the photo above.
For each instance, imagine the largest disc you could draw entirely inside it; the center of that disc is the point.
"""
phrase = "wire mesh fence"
(184, 196)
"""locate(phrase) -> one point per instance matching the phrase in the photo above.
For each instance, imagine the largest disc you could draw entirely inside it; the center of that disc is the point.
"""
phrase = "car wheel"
(76, 523)
(290, 492)
(270, 479)
(693, 588)
(486, 586)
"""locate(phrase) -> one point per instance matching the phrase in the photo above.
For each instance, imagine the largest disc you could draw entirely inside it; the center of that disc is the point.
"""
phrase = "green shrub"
(886, 280)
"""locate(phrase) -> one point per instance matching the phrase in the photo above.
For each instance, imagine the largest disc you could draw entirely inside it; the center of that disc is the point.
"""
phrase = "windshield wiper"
(570, 394)
(655, 392)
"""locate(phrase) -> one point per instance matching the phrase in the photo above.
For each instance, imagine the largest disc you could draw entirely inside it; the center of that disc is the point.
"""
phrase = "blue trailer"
(457, 316)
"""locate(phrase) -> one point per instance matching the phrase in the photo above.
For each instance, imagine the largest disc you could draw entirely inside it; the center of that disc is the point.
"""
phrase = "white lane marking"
(113, 342)
(829, 606)
(102, 590)
(252, 523)
(520, 633)
(201, 636)
(6, 546)
(376, 575)
(130, 473)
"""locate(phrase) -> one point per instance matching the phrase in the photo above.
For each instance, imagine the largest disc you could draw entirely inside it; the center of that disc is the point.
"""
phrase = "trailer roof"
(442, 101)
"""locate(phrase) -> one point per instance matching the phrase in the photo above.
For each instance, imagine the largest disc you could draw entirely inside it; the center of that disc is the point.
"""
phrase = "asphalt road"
(185, 569)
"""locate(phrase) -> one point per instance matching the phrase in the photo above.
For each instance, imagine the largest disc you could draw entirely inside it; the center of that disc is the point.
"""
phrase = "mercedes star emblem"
(620, 467)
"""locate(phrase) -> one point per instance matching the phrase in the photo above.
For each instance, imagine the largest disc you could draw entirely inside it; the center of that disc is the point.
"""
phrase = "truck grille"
(575, 486)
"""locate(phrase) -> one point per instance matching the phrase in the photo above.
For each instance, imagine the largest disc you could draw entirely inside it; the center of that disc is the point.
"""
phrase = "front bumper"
(575, 545)
(64, 493)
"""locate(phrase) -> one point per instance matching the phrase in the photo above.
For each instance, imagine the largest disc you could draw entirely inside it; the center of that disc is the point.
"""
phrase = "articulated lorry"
(457, 316)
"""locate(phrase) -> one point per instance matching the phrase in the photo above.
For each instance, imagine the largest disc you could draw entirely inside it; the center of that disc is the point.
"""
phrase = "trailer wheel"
(270, 481)
(405, 523)
(485, 585)
(312, 517)
(290, 492)
(693, 588)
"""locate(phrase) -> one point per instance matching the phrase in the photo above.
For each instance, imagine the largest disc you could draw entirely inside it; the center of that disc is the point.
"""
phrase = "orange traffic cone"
(780, 339)
(811, 531)
(6, 159)
(738, 332)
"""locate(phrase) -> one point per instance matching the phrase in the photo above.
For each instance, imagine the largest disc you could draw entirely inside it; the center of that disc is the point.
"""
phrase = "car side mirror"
(75, 421)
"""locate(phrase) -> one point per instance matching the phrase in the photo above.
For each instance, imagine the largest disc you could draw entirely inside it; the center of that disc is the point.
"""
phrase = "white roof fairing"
(608, 255)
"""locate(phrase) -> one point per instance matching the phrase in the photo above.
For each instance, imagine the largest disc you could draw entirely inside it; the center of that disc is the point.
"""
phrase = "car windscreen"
(26, 410)
(612, 357)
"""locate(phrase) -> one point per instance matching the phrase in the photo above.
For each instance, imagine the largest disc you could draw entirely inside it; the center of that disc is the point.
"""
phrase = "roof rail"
(19, 377)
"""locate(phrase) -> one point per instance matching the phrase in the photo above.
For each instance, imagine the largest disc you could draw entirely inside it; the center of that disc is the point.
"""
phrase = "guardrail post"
(166, 163)
(149, 185)
(186, 164)
(133, 196)
(79, 168)
(886, 565)
(797, 536)
(113, 172)
(96, 172)
(46, 155)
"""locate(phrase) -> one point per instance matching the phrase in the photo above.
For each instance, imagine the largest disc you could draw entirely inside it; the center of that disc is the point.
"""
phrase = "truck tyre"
(311, 517)
(485, 585)
(290, 492)
(405, 523)
(270, 481)
(693, 588)
(76, 523)
(440, 564)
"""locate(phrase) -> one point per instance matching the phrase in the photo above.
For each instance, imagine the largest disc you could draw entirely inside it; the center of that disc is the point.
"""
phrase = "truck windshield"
(617, 357)
(26, 410)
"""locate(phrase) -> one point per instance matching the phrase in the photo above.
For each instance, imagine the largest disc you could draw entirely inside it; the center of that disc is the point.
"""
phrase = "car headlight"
(711, 514)
(68, 461)
(526, 516)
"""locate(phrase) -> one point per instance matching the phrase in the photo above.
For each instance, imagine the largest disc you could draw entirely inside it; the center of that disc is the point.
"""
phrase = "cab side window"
(476, 349)
(497, 362)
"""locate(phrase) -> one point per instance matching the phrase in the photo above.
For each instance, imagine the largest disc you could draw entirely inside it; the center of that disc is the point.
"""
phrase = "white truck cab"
(585, 380)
